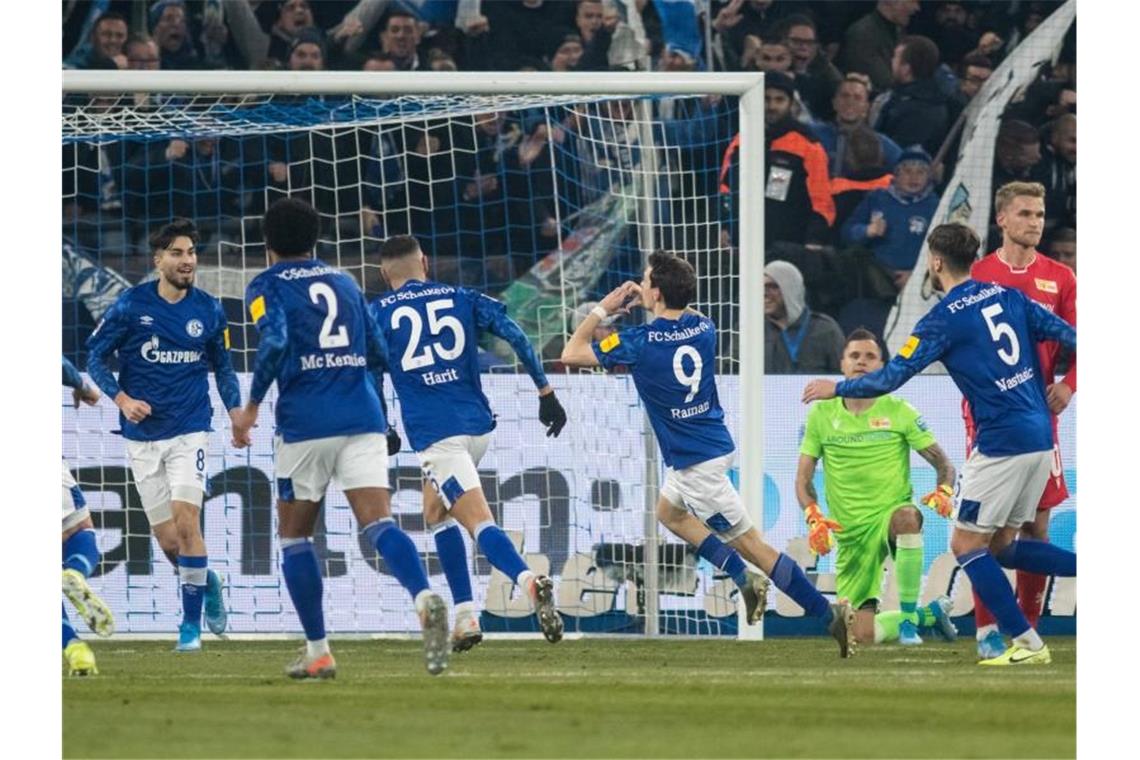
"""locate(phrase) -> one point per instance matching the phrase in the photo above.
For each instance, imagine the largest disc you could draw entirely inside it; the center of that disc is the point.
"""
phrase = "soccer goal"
(541, 190)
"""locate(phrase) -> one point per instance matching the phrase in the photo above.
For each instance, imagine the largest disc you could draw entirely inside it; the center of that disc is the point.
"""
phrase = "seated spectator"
(108, 37)
(869, 45)
(893, 222)
(1063, 247)
(915, 111)
(168, 27)
(851, 104)
(797, 194)
(796, 339)
(399, 39)
(864, 170)
(816, 76)
(307, 52)
(1057, 171)
(142, 54)
(568, 53)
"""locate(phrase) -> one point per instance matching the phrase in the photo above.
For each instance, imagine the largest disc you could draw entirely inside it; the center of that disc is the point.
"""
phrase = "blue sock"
(499, 551)
(303, 579)
(993, 587)
(790, 579)
(399, 554)
(1039, 557)
(453, 556)
(192, 573)
(81, 553)
(69, 633)
(723, 557)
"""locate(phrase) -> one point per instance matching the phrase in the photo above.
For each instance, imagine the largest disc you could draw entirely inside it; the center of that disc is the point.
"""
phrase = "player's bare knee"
(965, 541)
(471, 510)
(865, 626)
(906, 520)
(669, 514)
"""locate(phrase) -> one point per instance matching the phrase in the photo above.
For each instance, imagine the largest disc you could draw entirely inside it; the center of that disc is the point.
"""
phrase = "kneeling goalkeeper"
(865, 445)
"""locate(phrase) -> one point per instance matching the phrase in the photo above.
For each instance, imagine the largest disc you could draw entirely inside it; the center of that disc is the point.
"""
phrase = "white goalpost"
(538, 189)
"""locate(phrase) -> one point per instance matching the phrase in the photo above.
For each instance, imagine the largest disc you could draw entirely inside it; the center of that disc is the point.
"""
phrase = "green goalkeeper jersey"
(866, 457)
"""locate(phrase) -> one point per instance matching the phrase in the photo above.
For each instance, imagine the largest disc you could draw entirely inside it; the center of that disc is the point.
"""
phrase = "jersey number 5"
(998, 330)
(691, 381)
(328, 338)
(436, 324)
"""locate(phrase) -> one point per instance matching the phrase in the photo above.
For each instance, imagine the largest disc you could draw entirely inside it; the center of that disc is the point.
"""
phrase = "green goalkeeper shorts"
(862, 549)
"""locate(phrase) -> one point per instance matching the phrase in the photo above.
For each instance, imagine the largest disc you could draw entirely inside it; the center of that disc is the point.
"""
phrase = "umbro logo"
(146, 319)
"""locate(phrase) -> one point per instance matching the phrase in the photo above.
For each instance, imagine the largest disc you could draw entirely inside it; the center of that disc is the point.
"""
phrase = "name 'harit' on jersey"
(165, 351)
(318, 342)
(672, 362)
(986, 335)
(432, 332)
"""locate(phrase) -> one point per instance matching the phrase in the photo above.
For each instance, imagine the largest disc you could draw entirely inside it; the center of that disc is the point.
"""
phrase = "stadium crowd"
(863, 113)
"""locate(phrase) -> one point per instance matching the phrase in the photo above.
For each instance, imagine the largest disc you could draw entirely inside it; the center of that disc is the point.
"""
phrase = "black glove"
(394, 442)
(551, 414)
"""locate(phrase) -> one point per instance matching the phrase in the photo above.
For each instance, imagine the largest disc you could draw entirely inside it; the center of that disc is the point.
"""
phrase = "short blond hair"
(1011, 190)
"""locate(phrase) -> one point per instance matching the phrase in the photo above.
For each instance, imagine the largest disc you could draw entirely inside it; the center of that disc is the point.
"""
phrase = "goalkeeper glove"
(551, 414)
(394, 442)
(941, 500)
(819, 530)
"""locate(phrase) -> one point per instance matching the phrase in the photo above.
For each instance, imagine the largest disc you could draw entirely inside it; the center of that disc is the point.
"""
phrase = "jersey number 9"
(691, 381)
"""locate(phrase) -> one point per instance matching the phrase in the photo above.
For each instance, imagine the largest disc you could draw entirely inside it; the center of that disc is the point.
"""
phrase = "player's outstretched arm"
(578, 351)
(941, 499)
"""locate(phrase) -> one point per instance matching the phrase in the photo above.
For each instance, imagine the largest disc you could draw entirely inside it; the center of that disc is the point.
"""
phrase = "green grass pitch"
(583, 698)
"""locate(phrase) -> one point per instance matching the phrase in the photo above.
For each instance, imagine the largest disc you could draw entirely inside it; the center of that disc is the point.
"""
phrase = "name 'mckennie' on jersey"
(673, 366)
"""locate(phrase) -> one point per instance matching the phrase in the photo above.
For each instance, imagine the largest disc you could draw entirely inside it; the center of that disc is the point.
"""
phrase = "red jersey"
(1054, 286)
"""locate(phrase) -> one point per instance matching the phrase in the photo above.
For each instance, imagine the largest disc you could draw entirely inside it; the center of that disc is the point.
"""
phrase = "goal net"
(545, 201)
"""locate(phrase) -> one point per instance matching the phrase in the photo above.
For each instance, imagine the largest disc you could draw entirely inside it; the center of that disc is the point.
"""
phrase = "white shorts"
(169, 470)
(452, 465)
(304, 468)
(998, 492)
(705, 490)
(74, 505)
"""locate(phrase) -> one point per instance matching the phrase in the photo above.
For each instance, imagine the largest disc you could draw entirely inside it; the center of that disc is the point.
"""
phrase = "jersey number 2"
(691, 381)
(436, 324)
(328, 339)
(998, 330)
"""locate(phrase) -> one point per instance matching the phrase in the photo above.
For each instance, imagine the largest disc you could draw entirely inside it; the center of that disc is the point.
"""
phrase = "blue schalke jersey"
(165, 351)
(319, 343)
(432, 331)
(672, 362)
(986, 335)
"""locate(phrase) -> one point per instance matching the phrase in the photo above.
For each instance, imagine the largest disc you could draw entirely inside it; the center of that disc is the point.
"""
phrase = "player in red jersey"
(1017, 264)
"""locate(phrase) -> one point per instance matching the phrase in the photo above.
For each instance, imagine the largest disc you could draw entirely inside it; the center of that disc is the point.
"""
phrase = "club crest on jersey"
(146, 320)
(880, 423)
(195, 328)
(610, 343)
(1046, 286)
(908, 348)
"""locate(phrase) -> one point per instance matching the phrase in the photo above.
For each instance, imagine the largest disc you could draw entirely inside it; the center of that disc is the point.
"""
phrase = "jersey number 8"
(998, 330)
(691, 381)
(436, 325)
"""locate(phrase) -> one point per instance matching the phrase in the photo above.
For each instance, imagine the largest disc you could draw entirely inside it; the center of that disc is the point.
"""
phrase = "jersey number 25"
(436, 325)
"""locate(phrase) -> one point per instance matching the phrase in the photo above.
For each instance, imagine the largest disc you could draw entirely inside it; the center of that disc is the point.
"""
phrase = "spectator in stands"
(1057, 171)
(915, 111)
(1017, 151)
(378, 61)
(1063, 247)
(308, 51)
(864, 170)
(588, 17)
(816, 77)
(517, 33)
(598, 39)
(774, 55)
(951, 32)
(735, 23)
(797, 196)
(108, 37)
(142, 54)
(293, 17)
(568, 53)
(168, 27)
(399, 39)
(893, 222)
(796, 339)
(869, 45)
(438, 60)
(851, 104)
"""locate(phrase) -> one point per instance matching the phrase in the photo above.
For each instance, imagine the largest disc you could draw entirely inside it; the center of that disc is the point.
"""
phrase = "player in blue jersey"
(433, 329)
(672, 359)
(319, 343)
(167, 334)
(986, 336)
(80, 554)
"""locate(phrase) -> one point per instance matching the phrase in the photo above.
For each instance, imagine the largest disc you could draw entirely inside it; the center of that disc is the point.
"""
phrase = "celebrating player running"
(985, 336)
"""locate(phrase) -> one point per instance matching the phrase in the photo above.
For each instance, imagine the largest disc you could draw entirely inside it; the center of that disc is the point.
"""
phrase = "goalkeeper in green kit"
(865, 445)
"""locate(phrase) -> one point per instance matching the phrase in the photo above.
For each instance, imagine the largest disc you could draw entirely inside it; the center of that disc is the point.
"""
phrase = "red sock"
(982, 615)
(1031, 595)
